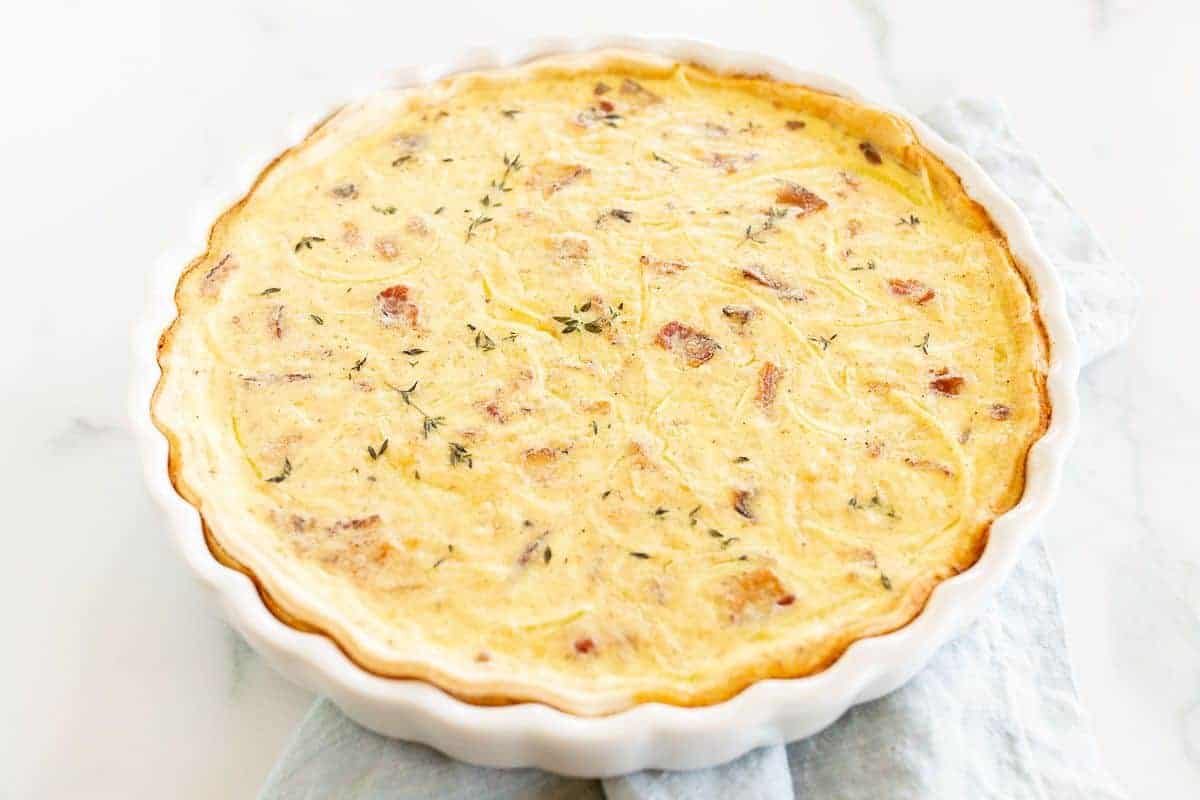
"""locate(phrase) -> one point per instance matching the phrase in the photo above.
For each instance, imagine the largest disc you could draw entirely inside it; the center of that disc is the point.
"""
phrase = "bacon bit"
(999, 411)
(211, 286)
(344, 191)
(870, 153)
(741, 503)
(769, 377)
(606, 106)
(794, 124)
(540, 456)
(638, 92)
(417, 226)
(916, 291)
(350, 234)
(551, 178)
(730, 161)
(601, 88)
(757, 591)
(741, 315)
(793, 194)
(394, 307)
(482, 657)
(275, 324)
(584, 645)
(697, 346)
(929, 466)
(946, 384)
(756, 274)
(387, 248)
(663, 267)
(572, 247)
(786, 600)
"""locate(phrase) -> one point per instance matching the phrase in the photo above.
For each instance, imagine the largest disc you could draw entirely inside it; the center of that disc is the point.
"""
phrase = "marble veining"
(124, 683)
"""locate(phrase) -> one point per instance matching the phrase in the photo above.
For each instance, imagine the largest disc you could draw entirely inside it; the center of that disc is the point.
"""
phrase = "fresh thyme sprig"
(461, 455)
(374, 453)
(754, 233)
(429, 423)
(572, 324)
(823, 341)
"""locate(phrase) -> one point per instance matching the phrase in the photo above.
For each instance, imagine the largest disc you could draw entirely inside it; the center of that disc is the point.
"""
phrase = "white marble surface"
(119, 682)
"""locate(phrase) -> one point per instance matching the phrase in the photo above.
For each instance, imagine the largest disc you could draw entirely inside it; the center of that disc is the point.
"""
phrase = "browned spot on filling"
(356, 523)
(999, 411)
(211, 285)
(946, 384)
(540, 456)
(740, 315)
(729, 162)
(572, 247)
(387, 248)
(417, 226)
(742, 500)
(870, 153)
(794, 124)
(269, 378)
(635, 91)
(793, 194)
(914, 290)
(929, 466)
(601, 88)
(344, 191)
(758, 275)
(351, 234)
(410, 142)
(874, 448)
(853, 227)
(394, 307)
(275, 322)
(755, 593)
(552, 178)
(696, 347)
(769, 377)
(663, 267)
(482, 657)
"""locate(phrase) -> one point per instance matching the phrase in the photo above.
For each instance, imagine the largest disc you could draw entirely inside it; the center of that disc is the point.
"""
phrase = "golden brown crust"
(891, 136)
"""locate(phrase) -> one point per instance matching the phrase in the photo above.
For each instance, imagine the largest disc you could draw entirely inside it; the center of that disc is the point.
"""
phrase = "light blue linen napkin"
(994, 715)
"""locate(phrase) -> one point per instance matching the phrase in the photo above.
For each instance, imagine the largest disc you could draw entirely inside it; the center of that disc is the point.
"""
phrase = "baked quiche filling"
(603, 380)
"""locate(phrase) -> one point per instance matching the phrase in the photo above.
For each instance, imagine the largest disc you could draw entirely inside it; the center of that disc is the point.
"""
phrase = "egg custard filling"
(602, 380)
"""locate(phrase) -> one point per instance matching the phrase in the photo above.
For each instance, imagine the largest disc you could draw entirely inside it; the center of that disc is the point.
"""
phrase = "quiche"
(602, 380)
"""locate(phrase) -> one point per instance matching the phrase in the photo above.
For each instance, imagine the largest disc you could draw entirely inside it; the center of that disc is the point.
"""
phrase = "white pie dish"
(649, 735)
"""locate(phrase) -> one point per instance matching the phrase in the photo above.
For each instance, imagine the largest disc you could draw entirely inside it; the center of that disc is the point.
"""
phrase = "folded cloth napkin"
(994, 715)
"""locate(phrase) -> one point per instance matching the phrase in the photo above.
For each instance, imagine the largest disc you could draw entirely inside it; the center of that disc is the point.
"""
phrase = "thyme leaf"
(307, 242)
(283, 473)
